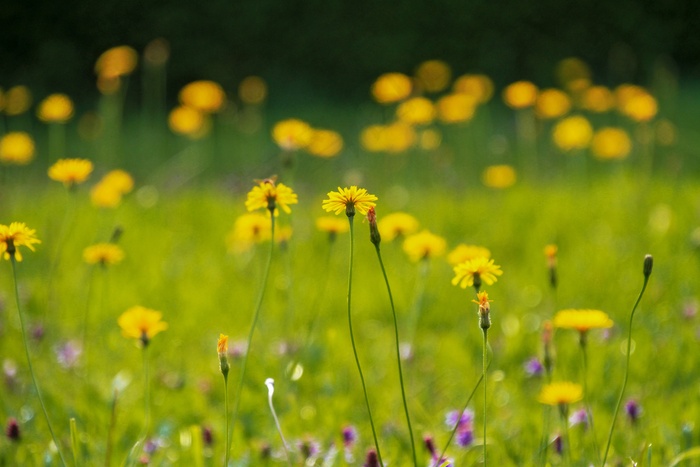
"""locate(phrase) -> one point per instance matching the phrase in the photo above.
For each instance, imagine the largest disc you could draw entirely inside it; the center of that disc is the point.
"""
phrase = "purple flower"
(309, 448)
(558, 444)
(633, 410)
(453, 417)
(372, 460)
(68, 354)
(533, 367)
(349, 436)
(465, 435)
(580, 417)
(430, 445)
(207, 435)
(12, 429)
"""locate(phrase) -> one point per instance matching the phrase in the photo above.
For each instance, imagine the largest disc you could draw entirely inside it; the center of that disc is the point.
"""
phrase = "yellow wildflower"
(573, 132)
(424, 245)
(475, 271)
(458, 107)
(248, 230)
(56, 108)
(480, 87)
(520, 94)
(416, 111)
(141, 323)
(292, 134)
(349, 200)
(204, 95)
(499, 176)
(116, 62)
(268, 195)
(560, 393)
(611, 143)
(391, 87)
(433, 75)
(397, 224)
(105, 254)
(70, 171)
(582, 320)
(16, 147)
(18, 99)
(189, 121)
(552, 103)
(15, 235)
(598, 99)
(332, 225)
(463, 252)
(325, 143)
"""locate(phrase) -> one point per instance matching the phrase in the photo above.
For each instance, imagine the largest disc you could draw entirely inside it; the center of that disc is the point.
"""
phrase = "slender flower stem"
(352, 339)
(567, 439)
(147, 394)
(270, 383)
(587, 402)
(228, 439)
(398, 357)
(483, 376)
(454, 430)
(29, 361)
(256, 315)
(627, 369)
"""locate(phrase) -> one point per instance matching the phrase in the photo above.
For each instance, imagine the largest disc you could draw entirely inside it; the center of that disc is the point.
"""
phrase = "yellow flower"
(476, 270)
(560, 393)
(611, 143)
(598, 99)
(18, 99)
(416, 111)
(552, 103)
(105, 254)
(430, 139)
(248, 230)
(283, 234)
(204, 95)
(373, 138)
(102, 195)
(433, 75)
(399, 137)
(458, 107)
(268, 195)
(462, 253)
(520, 95)
(15, 235)
(116, 62)
(332, 225)
(625, 92)
(582, 320)
(572, 72)
(189, 121)
(141, 323)
(572, 133)
(16, 147)
(222, 345)
(397, 224)
(391, 87)
(292, 134)
(424, 245)
(325, 143)
(349, 200)
(641, 107)
(499, 176)
(70, 171)
(550, 251)
(252, 90)
(482, 299)
(479, 87)
(56, 108)
(119, 180)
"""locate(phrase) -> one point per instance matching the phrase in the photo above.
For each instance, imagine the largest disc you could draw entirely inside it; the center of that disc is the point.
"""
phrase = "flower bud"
(374, 235)
(648, 264)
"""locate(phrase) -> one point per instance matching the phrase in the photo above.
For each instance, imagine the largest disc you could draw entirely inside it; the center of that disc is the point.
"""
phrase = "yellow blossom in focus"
(457, 107)
(349, 200)
(433, 75)
(70, 171)
(477, 86)
(56, 108)
(141, 323)
(641, 107)
(292, 134)
(248, 229)
(391, 87)
(560, 393)
(325, 143)
(204, 95)
(332, 225)
(520, 95)
(16, 147)
(572, 72)
(462, 253)
(416, 111)
(252, 90)
(270, 195)
(581, 320)
(598, 99)
(397, 224)
(18, 99)
(480, 267)
(115, 62)
(105, 254)
(15, 235)
(611, 143)
(424, 245)
(499, 176)
(482, 299)
(552, 103)
(188, 121)
(571, 133)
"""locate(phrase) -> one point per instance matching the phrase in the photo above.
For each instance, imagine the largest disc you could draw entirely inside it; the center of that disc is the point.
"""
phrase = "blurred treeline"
(337, 48)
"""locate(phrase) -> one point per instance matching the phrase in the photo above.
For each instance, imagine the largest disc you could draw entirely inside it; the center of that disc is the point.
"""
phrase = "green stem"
(483, 375)
(29, 361)
(566, 444)
(398, 357)
(454, 430)
(589, 412)
(627, 369)
(228, 439)
(147, 394)
(256, 315)
(352, 339)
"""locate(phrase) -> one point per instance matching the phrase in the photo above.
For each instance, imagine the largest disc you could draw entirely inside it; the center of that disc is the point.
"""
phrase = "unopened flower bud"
(648, 264)
(12, 429)
(222, 349)
(372, 459)
(374, 235)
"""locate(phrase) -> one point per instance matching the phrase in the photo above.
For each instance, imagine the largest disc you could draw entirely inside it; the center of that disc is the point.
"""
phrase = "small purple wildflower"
(349, 436)
(633, 410)
(558, 444)
(453, 417)
(579, 417)
(309, 448)
(372, 460)
(207, 435)
(12, 429)
(465, 435)
(430, 445)
(533, 367)
(68, 354)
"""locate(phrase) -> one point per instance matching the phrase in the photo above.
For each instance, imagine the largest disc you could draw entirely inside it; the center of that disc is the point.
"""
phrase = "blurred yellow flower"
(424, 245)
(550, 251)
(189, 121)
(283, 234)
(270, 195)
(373, 138)
(462, 253)
(399, 137)
(560, 393)
(598, 99)
(458, 107)
(248, 229)
(157, 52)
(625, 92)
(573, 132)
(416, 111)
(292, 134)
(349, 200)
(433, 75)
(479, 269)
(397, 224)
(108, 85)
(70, 171)
(641, 107)
(119, 180)
(105, 254)
(325, 143)
(581, 320)
(520, 95)
(572, 72)
(18, 99)
(552, 103)
(108, 192)
(499, 176)
(666, 133)
(115, 62)
(332, 225)
(15, 235)
(16, 147)
(391, 87)
(252, 90)
(141, 323)
(477, 86)
(430, 139)
(611, 143)
(56, 108)
(203, 95)
(222, 345)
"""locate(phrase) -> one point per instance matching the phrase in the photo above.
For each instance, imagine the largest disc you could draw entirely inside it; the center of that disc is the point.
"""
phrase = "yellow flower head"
(16, 147)
(520, 95)
(119, 180)
(482, 299)
(325, 143)
(141, 323)
(116, 62)
(552, 103)
(399, 137)
(582, 320)
(205, 96)
(598, 99)
(416, 111)
(222, 344)
(572, 70)
(188, 121)
(268, 195)
(480, 87)
(573, 132)
(292, 134)
(391, 87)
(105, 254)
(332, 225)
(479, 269)
(433, 75)
(18, 99)
(56, 108)
(248, 230)
(561, 393)
(499, 176)
(424, 245)
(641, 107)
(349, 200)
(611, 143)
(15, 235)
(252, 90)
(70, 171)
(463, 252)
(397, 224)
(458, 107)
